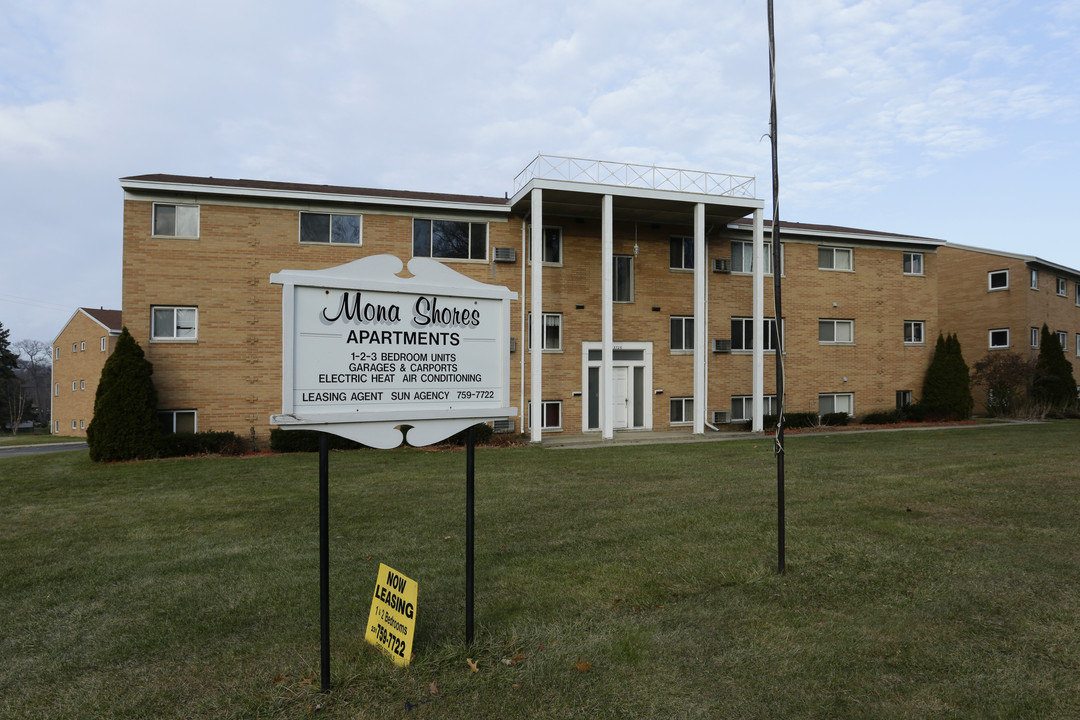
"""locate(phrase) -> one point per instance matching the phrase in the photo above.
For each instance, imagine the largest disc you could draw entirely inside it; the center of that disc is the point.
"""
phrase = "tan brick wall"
(79, 368)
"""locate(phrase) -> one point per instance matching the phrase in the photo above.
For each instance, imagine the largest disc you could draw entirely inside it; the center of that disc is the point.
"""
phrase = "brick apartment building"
(79, 353)
(652, 287)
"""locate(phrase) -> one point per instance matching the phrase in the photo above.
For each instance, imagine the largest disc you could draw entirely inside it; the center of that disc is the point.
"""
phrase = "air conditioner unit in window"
(503, 426)
(505, 254)
(721, 417)
(721, 345)
(721, 265)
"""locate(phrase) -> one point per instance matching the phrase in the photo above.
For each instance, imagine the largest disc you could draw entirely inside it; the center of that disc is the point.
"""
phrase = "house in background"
(78, 355)
(998, 302)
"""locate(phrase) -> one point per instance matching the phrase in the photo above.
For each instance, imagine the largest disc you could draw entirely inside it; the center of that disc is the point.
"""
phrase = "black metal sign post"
(324, 555)
(470, 467)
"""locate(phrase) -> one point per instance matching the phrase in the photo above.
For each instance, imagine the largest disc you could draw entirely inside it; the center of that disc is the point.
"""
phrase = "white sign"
(366, 350)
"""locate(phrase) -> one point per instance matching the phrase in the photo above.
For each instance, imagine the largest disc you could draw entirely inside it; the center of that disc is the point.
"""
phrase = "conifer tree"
(1054, 384)
(947, 386)
(125, 425)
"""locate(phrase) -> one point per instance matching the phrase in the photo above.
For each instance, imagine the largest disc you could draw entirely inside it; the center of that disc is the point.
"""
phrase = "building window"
(1078, 294)
(74, 347)
(56, 426)
(1034, 337)
(1034, 279)
(682, 410)
(82, 424)
(56, 390)
(74, 426)
(74, 385)
(742, 257)
(56, 353)
(1077, 338)
(742, 333)
(551, 244)
(104, 344)
(176, 220)
(836, 331)
(834, 258)
(550, 415)
(177, 421)
(903, 399)
(681, 252)
(999, 338)
(998, 279)
(82, 345)
(1063, 339)
(450, 239)
(622, 281)
(913, 263)
(1062, 287)
(914, 332)
(82, 384)
(552, 331)
(174, 323)
(742, 406)
(330, 228)
(682, 333)
(829, 403)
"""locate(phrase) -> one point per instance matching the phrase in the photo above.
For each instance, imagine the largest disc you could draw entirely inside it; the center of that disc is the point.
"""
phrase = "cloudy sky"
(953, 119)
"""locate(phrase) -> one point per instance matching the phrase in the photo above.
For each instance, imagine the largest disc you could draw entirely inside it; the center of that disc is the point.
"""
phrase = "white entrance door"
(620, 397)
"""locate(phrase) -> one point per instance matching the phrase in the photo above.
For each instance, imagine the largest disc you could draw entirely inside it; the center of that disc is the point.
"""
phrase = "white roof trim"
(635, 192)
(846, 236)
(309, 196)
(1017, 256)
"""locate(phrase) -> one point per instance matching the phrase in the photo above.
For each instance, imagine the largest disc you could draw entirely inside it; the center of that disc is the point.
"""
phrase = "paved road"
(38, 449)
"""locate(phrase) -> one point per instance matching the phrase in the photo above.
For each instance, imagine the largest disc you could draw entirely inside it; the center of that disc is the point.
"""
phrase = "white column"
(759, 321)
(701, 320)
(536, 306)
(607, 424)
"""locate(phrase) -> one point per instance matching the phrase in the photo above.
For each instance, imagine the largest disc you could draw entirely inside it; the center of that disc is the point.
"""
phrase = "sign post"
(370, 355)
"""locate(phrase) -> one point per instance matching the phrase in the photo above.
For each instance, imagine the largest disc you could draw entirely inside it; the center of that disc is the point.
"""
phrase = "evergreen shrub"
(125, 424)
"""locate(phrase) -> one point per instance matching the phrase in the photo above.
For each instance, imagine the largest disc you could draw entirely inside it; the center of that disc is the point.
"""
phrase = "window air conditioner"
(721, 417)
(503, 426)
(505, 254)
(721, 265)
(721, 345)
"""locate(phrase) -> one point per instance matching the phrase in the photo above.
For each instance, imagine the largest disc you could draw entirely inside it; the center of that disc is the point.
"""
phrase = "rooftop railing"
(649, 177)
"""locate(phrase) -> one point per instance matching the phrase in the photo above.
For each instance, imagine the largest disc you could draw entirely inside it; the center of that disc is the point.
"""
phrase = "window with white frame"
(56, 390)
(551, 244)
(56, 353)
(742, 406)
(177, 421)
(82, 424)
(999, 338)
(104, 344)
(1077, 286)
(450, 239)
(914, 332)
(82, 345)
(913, 263)
(180, 221)
(75, 347)
(997, 280)
(74, 385)
(1034, 279)
(550, 415)
(836, 331)
(742, 257)
(1077, 339)
(1035, 337)
(551, 330)
(1063, 338)
(622, 280)
(903, 399)
(834, 258)
(1062, 287)
(174, 323)
(682, 410)
(331, 228)
(829, 403)
(681, 252)
(742, 333)
(682, 333)
(82, 384)
(74, 426)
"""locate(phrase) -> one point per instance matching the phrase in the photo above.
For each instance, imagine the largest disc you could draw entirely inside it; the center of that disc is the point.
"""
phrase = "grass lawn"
(931, 574)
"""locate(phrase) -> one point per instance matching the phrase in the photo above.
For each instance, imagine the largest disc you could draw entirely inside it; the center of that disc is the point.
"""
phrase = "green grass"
(930, 574)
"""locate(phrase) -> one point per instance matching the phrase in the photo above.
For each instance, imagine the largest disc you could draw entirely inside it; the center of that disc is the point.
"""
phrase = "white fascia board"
(750, 204)
(309, 196)
(1016, 256)
(848, 237)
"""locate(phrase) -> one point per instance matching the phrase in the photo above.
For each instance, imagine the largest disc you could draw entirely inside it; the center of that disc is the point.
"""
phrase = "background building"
(79, 353)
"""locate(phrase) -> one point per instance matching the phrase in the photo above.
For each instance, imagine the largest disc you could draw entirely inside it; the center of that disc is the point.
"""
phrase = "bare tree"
(35, 363)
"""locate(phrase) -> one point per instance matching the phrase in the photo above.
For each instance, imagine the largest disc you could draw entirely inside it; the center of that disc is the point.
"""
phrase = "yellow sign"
(392, 620)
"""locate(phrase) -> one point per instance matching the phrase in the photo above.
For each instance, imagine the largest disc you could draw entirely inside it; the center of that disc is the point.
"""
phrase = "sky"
(950, 119)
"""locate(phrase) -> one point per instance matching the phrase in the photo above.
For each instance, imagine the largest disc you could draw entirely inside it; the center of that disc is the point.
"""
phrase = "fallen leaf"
(280, 679)
(433, 688)
(307, 680)
(472, 665)
(448, 537)
(582, 666)
(515, 686)
(541, 648)
(516, 660)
